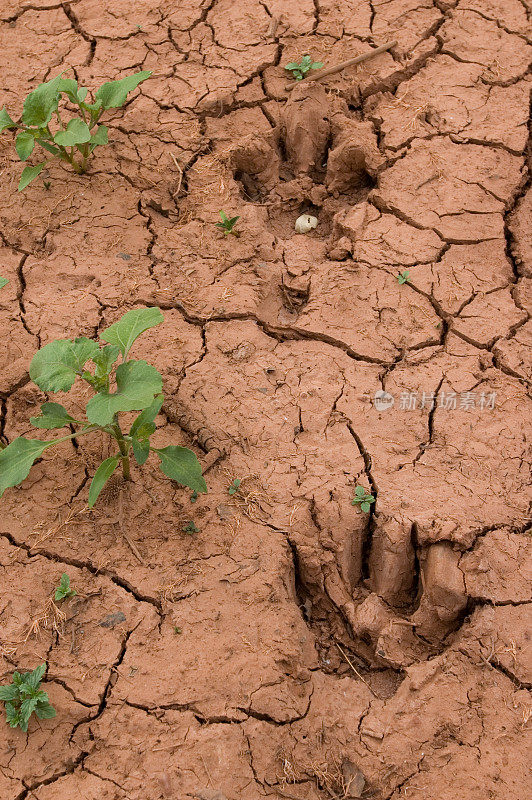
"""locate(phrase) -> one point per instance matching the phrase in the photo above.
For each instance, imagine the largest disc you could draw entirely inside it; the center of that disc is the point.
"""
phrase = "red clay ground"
(322, 652)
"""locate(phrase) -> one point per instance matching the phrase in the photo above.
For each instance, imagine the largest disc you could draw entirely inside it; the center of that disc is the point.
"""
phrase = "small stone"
(305, 223)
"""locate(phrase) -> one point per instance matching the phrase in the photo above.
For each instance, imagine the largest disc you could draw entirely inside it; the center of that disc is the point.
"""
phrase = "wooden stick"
(344, 64)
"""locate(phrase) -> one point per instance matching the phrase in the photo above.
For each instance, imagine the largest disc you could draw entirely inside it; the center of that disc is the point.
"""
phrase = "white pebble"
(305, 223)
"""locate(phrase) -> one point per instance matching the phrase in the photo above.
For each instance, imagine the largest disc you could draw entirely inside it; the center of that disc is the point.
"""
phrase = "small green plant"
(227, 224)
(74, 141)
(63, 591)
(130, 386)
(190, 527)
(363, 499)
(300, 70)
(235, 486)
(23, 697)
(403, 277)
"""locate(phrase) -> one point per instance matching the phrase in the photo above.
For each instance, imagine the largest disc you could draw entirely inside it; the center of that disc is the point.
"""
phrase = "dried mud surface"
(295, 647)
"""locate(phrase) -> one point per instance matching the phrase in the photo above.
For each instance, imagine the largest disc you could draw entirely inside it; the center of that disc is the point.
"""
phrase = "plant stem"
(123, 447)
(125, 461)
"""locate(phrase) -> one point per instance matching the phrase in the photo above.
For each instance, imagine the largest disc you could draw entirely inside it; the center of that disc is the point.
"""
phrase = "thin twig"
(357, 673)
(318, 76)
(176, 191)
(133, 547)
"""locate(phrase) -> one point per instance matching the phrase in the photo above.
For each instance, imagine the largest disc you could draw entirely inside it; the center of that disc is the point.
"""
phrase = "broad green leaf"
(104, 359)
(29, 174)
(8, 692)
(53, 415)
(147, 416)
(137, 384)
(360, 491)
(24, 144)
(317, 65)
(114, 93)
(48, 146)
(100, 137)
(101, 476)
(70, 87)
(292, 65)
(365, 507)
(77, 132)
(27, 707)
(141, 450)
(180, 464)
(12, 715)
(17, 459)
(3, 282)
(5, 120)
(82, 94)
(41, 103)
(34, 678)
(92, 107)
(124, 332)
(54, 367)
(45, 711)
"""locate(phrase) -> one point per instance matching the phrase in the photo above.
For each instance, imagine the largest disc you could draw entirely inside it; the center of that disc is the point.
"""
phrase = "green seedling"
(23, 697)
(193, 497)
(363, 499)
(130, 386)
(299, 71)
(63, 591)
(235, 486)
(73, 141)
(403, 277)
(227, 225)
(190, 527)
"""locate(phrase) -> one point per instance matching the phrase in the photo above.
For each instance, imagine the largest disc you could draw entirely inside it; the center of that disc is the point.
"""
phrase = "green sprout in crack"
(190, 527)
(23, 697)
(362, 499)
(227, 225)
(131, 386)
(299, 71)
(403, 277)
(64, 590)
(74, 141)
(235, 486)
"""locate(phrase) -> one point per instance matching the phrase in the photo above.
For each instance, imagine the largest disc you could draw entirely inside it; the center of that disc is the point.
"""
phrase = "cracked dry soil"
(295, 647)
